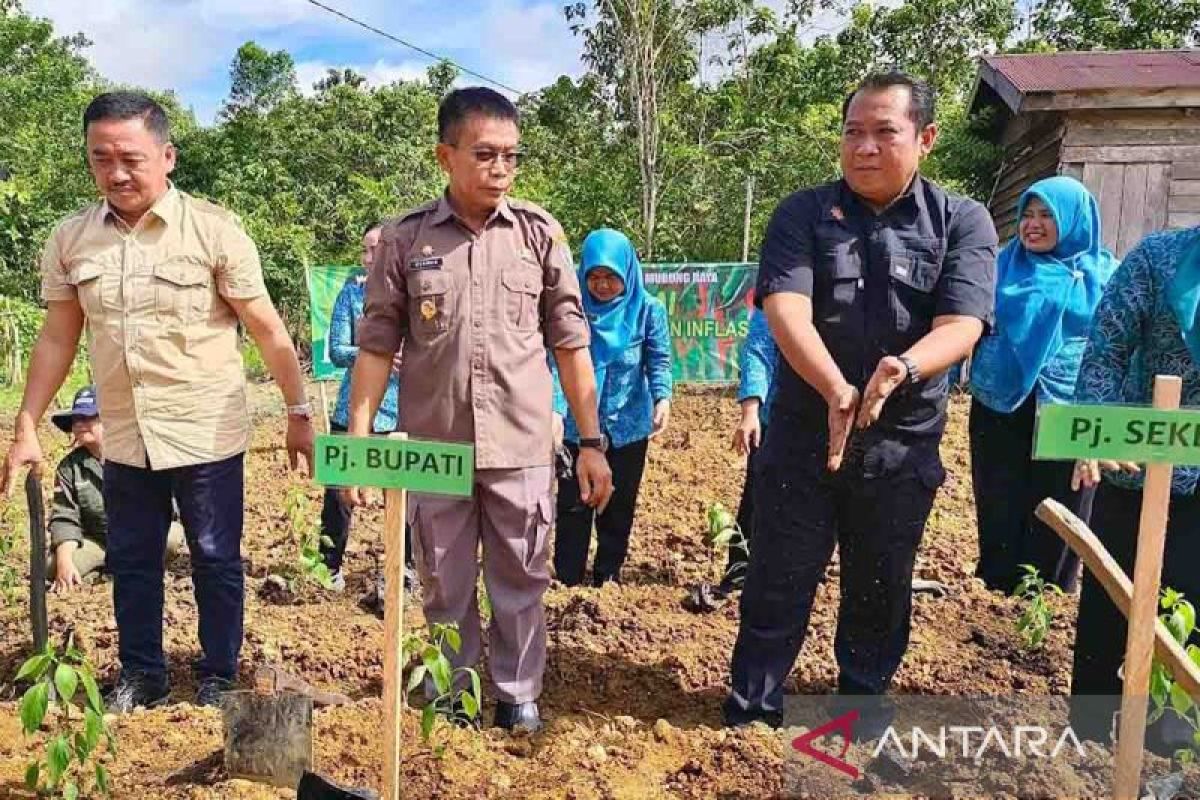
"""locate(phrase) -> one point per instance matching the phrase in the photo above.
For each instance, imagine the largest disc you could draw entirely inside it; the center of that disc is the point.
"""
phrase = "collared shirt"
(876, 282)
(162, 338)
(476, 313)
(77, 511)
(1136, 336)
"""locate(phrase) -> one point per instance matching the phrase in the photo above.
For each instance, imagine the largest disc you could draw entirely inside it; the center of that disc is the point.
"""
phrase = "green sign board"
(708, 310)
(1118, 433)
(325, 283)
(428, 467)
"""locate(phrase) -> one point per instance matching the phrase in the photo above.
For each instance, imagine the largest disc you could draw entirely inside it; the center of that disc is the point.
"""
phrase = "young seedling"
(73, 757)
(1179, 616)
(456, 706)
(723, 532)
(311, 565)
(1034, 623)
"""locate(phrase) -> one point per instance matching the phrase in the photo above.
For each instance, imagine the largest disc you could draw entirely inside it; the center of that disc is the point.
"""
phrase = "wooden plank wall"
(1031, 152)
(1142, 166)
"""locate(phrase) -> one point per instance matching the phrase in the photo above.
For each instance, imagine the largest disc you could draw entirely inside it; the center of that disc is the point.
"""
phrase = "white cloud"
(378, 74)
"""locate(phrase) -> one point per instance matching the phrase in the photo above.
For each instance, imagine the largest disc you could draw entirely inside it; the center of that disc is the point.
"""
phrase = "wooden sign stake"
(395, 510)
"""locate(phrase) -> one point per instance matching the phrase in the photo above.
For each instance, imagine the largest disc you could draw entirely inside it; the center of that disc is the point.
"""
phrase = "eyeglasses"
(485, 157)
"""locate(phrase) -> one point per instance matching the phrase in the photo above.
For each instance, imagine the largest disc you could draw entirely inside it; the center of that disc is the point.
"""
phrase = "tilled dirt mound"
(634, 681)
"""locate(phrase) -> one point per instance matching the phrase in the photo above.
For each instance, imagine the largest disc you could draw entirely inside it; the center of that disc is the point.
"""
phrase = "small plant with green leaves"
(1034, 623)
(311, 565)
(723, 533)
(1179, 617)
(456, 706)
(72, 765)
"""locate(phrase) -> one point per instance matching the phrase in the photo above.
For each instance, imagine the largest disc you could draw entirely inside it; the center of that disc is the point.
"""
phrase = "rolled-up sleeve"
(384, 323)
(967, 284)
(55, 285)
(239, 273)
(786, 256)
(564, 324)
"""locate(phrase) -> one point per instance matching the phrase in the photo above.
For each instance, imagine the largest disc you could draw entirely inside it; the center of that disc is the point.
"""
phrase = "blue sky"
(187, 45)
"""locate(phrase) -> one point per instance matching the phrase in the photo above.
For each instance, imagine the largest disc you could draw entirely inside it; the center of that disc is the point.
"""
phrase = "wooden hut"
(1126, 123)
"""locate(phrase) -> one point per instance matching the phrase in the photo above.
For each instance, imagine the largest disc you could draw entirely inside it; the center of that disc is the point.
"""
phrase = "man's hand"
(843, 403)
(1087, 472)
(662, 415)
(889, 373)
(26, 452)
(595, 478)
(355, 497)
(397, 362)
(66, 576)
(748, 434)
(301, 440)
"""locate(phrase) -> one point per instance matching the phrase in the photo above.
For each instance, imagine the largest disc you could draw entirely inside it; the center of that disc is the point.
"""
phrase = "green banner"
(428, 467)
(324, 284)
(709, 307)
(1118, 433)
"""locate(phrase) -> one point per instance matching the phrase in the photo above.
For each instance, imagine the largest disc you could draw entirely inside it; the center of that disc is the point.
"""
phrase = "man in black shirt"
(873, 286)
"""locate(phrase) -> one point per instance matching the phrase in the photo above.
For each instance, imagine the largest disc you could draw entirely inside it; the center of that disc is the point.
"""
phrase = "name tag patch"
(418, 264)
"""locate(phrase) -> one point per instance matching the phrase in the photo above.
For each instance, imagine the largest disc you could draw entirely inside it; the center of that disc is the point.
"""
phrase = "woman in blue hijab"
(1049, 281)
(631, 353)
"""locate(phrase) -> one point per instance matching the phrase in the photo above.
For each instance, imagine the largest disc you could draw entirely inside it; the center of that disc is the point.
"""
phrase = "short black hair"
(129, 105)
(374, 226)
(922, 99)
(474, 100)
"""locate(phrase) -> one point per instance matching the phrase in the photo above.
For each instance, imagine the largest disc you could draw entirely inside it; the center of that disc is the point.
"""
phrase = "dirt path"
(621, 658)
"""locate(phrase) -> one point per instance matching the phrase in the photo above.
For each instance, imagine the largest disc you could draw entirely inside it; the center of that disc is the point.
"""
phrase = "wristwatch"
(600, 443)
(303, 410)
(914, 373)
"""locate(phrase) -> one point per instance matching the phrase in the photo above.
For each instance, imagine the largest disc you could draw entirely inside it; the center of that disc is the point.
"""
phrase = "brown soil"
(634, 682)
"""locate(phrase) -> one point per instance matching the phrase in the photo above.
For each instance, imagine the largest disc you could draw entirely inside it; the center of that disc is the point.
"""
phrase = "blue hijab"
(620, 323)
(1184, 297)
(1044, 302)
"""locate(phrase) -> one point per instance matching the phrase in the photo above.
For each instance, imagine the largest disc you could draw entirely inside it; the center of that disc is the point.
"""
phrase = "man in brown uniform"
(162, 280)
(479, 288)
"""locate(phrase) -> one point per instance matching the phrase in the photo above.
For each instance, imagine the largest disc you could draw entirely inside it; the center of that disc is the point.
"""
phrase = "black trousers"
(336, 518)
(573, 530)
(1101, 629)
(874, 509)
(1009, 485)
(738, 561)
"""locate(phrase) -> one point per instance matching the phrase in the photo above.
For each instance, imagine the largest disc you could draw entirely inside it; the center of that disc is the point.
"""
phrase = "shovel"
(268, 733)
(37, 561)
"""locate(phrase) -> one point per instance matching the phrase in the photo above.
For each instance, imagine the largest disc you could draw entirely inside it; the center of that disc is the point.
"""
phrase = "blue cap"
(84, 406)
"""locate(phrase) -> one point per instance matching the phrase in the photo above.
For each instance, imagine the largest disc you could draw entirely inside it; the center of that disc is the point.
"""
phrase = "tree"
(1118, 24)
(259, 80)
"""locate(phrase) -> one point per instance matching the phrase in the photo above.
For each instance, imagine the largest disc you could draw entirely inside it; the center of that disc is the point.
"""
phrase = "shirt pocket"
(431, 304)
(183, 288)
(841, 304)
(913, 273)
(94, 289)
(522, 288)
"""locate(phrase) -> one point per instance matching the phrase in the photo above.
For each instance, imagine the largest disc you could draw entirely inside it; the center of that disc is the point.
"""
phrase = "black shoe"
(209, 693)
(518, 717)
(735, 716)
(137, 690)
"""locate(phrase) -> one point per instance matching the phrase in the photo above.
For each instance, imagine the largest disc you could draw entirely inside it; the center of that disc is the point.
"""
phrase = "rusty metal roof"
(1127, 69)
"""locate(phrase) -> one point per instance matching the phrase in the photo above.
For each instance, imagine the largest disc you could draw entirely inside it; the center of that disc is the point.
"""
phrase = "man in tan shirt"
(478, 288)
(161, 280)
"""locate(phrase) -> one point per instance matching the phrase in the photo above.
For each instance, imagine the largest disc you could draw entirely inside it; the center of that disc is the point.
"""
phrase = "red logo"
(843, 725)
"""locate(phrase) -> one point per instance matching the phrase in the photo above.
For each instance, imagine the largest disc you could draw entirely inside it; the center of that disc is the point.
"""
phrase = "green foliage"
(73, 764)
(432, 667)
(310, 566)
(722, 533)
(1117, 24)
(10, 573)
(1034, 623)
(1167, 696)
